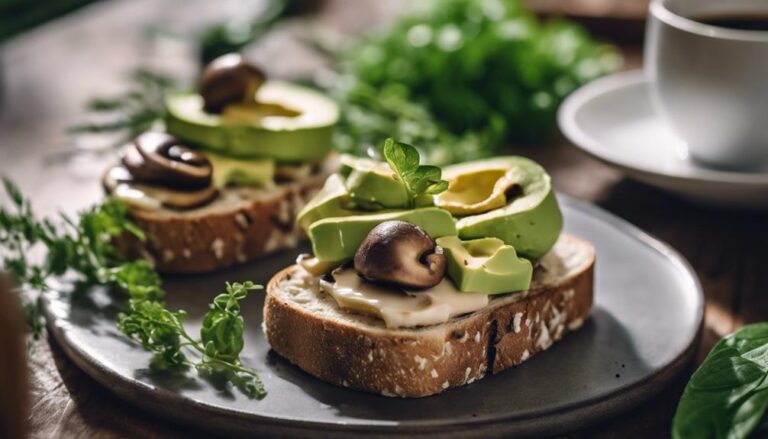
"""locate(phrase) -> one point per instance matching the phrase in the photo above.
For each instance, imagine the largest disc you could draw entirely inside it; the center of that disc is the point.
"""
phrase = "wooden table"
(52, 71)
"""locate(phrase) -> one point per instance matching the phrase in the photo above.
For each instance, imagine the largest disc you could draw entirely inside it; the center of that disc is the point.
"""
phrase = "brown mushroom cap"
(400, 253)
(158, 158)
(229, 79)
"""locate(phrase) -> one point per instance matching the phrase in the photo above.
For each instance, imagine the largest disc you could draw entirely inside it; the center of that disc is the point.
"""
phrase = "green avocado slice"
(530, 221)
(290, 124)
(239, 172)
(337, 239)
(372, 185)
(485, 265)
(331, 202)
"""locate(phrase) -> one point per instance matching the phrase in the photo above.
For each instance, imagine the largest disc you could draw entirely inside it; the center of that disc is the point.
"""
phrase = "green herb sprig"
(419, 180)
(221, 337)
(727, 397)
(83, 246)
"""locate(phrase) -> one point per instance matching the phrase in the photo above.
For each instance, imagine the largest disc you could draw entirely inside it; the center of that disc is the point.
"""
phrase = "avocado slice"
(290, 123)
(238, 172)
(372, 185)
(337, 239)
(530, 220)
(331, 202)
(476, 192)
(485, 265)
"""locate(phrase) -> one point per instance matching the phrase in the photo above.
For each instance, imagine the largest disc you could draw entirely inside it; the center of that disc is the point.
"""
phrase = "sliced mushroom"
(119, 182)
(401, 253)
(158, 158)
(229, 79)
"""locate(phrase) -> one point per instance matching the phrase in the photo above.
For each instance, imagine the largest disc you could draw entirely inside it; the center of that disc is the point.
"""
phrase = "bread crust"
(248, 224)
(418, 362)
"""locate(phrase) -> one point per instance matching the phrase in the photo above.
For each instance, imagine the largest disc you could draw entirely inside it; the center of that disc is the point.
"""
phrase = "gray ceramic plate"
(646, 319)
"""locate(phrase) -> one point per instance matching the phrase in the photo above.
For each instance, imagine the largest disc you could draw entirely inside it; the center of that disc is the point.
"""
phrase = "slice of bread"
(238, 226)
(307, 327)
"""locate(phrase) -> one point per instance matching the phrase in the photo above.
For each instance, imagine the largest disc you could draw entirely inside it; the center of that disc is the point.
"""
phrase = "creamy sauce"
(118, 183)
(400, 308)
(135, 197)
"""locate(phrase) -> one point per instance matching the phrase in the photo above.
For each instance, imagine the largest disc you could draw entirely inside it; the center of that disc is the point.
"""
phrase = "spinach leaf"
(727, 397)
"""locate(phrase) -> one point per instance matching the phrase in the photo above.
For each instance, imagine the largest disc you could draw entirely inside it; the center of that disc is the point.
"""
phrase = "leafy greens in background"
(727, 397)
(83, 246)
(459, 77)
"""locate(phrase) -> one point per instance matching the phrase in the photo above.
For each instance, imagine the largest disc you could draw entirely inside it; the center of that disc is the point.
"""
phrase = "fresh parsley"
(83, 246)
(221, 338)
(418, 179)
(727, 397)
(461, 77)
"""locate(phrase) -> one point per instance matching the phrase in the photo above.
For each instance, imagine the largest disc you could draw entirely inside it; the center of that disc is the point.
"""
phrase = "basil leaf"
(727, 397)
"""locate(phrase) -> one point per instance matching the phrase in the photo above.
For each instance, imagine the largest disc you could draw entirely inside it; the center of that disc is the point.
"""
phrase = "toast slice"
(239, 225)
(307, 327)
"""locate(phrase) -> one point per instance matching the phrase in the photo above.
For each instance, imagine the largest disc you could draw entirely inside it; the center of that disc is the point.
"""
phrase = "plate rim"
(578, 414)
(582, 139)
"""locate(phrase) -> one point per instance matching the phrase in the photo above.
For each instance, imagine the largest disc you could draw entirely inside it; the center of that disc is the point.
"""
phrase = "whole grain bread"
(240, 225)
(307, 327)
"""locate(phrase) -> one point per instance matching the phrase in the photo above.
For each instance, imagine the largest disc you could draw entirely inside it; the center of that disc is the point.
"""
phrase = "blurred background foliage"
(459, 79)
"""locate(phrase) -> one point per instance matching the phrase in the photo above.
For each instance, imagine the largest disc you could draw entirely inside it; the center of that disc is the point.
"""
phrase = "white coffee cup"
(709, 82)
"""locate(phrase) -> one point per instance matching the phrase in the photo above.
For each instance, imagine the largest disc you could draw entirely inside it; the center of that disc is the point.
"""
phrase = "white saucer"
(613, 120)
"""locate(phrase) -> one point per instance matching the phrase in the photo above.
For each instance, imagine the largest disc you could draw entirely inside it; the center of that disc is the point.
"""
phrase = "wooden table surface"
(50, 72)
